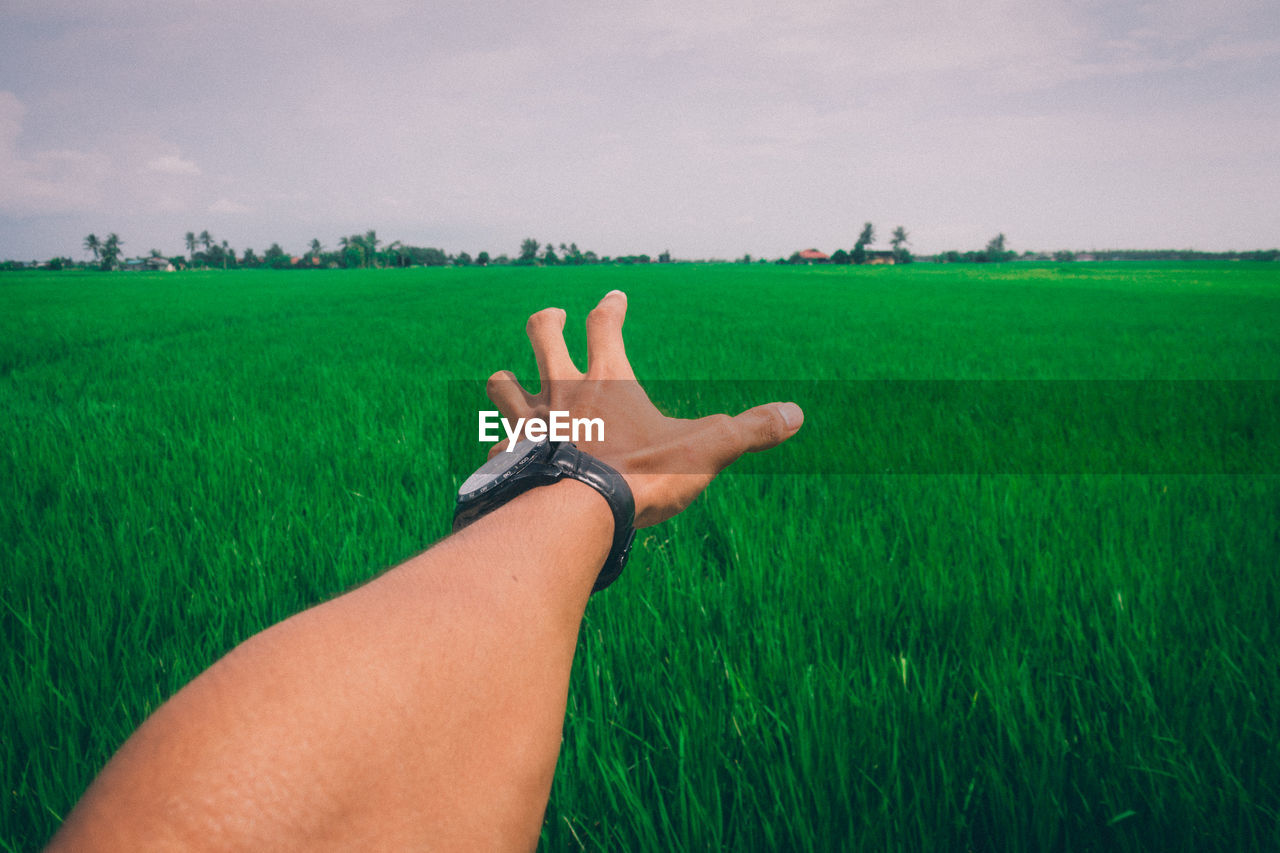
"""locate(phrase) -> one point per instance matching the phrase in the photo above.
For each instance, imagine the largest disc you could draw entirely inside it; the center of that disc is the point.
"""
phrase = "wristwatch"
(531, 464)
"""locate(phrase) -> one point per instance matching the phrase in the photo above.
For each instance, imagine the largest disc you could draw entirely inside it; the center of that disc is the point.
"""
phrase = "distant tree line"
(859, 254)
(1175, 255)
(533, 253)
(367, 250)
(995, 252)
(355, 251)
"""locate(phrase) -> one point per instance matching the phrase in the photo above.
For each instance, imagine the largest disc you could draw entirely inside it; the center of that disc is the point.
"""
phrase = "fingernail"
(791, 415)
(619, 292)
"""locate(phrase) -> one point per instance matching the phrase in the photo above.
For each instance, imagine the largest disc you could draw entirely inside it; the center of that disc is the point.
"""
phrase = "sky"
(708, 129)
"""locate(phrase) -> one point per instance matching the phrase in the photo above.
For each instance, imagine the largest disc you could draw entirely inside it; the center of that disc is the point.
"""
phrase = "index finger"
(546, 333)
(606, 354)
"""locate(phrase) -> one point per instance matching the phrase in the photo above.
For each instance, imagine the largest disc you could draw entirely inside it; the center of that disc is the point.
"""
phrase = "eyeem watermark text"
(558, 427)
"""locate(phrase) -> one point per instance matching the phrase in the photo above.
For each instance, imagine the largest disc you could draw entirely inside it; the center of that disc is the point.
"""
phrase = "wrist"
(534, 466)
(553, 538)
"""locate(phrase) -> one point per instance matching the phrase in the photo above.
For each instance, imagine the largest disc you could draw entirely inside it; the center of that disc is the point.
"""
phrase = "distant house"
(148, 264)
(813, 256)
(877, 256)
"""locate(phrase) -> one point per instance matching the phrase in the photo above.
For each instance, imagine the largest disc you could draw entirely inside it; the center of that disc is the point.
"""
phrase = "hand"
(667, 462)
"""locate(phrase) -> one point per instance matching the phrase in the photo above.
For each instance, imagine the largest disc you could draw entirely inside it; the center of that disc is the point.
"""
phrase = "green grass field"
(812, 657)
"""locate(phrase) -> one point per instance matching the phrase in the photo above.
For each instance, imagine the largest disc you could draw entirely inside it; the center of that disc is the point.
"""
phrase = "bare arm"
(423, 709)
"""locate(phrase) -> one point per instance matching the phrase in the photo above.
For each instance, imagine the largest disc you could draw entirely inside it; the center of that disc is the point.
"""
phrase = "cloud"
(621, 124)
(53, 181)
(172, 164)
(227, 206)
(1236, 51)
(44, 182)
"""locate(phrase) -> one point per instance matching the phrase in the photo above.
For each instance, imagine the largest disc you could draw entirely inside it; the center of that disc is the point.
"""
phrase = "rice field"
(1013, 586)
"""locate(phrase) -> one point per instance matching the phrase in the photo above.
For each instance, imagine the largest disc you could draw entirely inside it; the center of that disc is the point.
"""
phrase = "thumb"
(763, 427)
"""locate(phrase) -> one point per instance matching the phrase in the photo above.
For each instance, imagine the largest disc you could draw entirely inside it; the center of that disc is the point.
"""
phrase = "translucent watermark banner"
(945, 426)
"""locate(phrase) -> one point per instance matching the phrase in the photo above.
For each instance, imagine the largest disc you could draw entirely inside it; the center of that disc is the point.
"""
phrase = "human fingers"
(509, 395)
(758, 428)
(763, 427)
(606, 355)
(546, 333)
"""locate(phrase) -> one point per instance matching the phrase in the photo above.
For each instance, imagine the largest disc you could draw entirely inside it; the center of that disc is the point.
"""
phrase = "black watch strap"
(610, 484)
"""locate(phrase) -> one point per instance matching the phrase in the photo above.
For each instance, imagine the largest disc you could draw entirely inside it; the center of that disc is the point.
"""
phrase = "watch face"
(501, 467)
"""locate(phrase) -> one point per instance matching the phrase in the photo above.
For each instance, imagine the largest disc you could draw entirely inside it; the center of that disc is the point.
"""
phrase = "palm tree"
(371, 245)
(866, 238)
(93, 244)
(111, 251)
(191, 245)
(394, 253)
(316, 248)
(995, 249)
(227, 254)
(899, 240)
(206, 240)
(355, 241)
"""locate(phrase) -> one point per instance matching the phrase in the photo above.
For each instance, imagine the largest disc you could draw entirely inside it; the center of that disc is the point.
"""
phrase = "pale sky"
(708, 129)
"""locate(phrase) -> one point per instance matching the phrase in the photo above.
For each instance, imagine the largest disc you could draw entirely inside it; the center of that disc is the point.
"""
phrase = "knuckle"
(724, 428)
(772, 428)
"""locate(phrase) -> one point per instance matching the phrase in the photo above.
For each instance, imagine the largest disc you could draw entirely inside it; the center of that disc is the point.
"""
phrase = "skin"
(424, 709)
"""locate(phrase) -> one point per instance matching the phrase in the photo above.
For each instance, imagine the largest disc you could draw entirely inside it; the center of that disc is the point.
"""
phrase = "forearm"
(424, 709)
(384, 716)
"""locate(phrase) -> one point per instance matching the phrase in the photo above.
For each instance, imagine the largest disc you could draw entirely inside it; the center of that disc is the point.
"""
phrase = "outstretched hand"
(667, 462)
